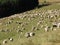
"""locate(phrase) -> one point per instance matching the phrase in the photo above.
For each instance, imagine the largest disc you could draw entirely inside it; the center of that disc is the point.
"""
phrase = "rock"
(33, 28)
(29, 34)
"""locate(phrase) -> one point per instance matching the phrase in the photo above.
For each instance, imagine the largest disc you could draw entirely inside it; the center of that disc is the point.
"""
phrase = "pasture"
(43, 21)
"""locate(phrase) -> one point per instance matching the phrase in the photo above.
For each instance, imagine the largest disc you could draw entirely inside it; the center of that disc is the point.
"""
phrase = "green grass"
(41, 37)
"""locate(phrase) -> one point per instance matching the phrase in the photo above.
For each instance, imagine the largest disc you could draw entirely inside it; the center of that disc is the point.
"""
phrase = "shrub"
(9, 6)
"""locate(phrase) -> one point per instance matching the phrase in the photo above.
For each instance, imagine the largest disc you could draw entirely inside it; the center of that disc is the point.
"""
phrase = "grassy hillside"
(29, 19)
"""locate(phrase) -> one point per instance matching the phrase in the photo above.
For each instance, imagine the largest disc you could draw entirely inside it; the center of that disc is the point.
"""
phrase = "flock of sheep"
(51, 15)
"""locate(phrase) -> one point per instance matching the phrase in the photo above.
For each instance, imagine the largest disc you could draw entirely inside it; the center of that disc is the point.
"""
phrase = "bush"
(9, 6)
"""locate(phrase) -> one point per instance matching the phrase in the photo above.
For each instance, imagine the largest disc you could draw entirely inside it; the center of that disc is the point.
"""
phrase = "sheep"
(47, 28)
(11, 39)
(18, 31)
(55, 24)
(27, 35)
(32, 34)
(5, 41)
(18, 26)
(39, 23)
(33, 28)
(23, 28)
(18, 22)
(51, 28)
(42, 26)
(7, 30)
(9, 22)
(22, 25)
(51, 16)
(58, 25)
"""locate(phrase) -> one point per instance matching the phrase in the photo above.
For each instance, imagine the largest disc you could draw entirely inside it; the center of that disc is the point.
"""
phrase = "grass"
(41, 37)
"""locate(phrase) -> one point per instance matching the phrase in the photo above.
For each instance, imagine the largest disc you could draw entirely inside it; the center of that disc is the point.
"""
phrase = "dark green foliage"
(16, 6)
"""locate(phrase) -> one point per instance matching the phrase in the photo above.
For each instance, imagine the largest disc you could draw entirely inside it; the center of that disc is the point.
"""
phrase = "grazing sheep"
(19, 31)
(33, 28)
(22, 25)
(58, 25)
(11, 39)
(5, 41)
(7, 30)
(54, 24)
(24, 16)
(51, 16)
(29, 19)
(18, 26)
(27, 35)
(51, 28)
(18, 22)
(42, 26)
(39, 23)
(47, 28)
(23, 28)
(36, 28)
(9, 22)
(32, 34)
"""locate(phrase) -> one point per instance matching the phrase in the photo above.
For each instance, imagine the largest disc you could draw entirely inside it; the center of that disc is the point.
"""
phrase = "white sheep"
(58, 25)
(32, 34)
(11, 39)
(39, 23)
(5, 41)
(27, 34)
(47, 28)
